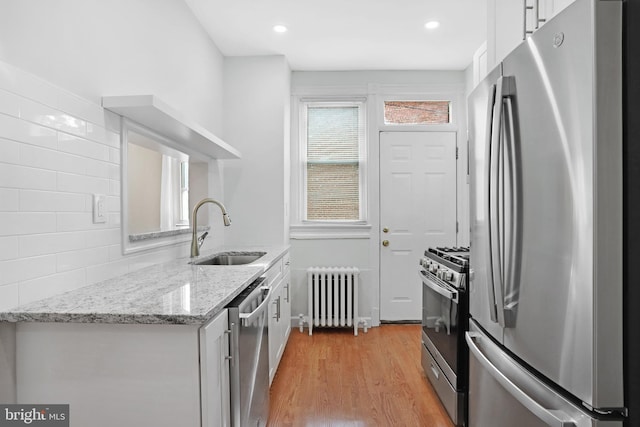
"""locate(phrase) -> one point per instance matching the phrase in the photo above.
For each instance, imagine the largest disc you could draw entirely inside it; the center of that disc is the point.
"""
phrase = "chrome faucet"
(196, 241)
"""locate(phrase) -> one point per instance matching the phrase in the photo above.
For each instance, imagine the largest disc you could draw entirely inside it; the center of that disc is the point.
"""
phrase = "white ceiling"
(348, 34)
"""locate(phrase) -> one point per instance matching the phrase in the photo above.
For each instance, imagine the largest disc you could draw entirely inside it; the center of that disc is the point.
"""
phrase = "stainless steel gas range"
(445, 319)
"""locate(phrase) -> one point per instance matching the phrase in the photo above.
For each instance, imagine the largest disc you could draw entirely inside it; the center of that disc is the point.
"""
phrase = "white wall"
(58, 146)
(257, 121)
(360, 246)
(96, 48)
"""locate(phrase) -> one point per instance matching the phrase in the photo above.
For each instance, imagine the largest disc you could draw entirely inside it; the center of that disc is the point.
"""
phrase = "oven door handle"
(452, 295)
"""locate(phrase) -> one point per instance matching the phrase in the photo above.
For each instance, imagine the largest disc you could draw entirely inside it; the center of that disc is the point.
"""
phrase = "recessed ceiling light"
(432, 25)
(279, 28)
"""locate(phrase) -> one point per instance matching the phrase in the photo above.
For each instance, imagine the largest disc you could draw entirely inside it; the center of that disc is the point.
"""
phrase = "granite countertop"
(175, 292)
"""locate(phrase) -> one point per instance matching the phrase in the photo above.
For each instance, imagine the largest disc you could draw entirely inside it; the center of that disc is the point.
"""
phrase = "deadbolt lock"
(385, 243)
(385, 230)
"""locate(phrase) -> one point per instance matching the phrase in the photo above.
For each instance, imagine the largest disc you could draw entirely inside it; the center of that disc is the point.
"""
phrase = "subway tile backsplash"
(56, 151)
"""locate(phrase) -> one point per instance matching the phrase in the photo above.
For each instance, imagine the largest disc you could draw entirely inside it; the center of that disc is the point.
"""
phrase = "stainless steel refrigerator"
(546, 263)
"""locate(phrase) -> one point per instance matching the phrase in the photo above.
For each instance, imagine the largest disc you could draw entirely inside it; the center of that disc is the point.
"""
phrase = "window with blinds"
(334, 142)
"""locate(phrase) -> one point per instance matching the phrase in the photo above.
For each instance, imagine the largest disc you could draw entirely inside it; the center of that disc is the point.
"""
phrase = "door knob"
(385, 243)
(385, 230)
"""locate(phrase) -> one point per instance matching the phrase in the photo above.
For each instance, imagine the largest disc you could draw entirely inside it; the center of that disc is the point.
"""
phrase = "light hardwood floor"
(333, 378)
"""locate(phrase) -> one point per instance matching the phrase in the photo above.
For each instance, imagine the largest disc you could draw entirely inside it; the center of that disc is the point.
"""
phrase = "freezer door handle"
(435, 371)
(554, 418)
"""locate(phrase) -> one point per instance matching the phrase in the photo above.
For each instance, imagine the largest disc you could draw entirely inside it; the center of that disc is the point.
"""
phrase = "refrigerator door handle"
(495, 237)
(501, 163)
(554, 418)
(489, 173)
(513, 210)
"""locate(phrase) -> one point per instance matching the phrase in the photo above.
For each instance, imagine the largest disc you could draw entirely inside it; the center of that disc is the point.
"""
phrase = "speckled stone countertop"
(175, 292)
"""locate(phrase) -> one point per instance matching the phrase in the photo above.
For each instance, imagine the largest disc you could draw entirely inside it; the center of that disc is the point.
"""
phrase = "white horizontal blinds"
(334, 135)
(417, 112)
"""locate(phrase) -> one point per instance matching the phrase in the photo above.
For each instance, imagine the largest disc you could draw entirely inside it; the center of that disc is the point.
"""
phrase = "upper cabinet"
(550, 8)
(151, 112)
(509, 22)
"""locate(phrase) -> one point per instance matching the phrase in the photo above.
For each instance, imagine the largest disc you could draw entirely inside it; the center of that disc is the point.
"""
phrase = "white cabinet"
(550, 8)
(279, 317)
(504, 32)
(506, 23)
(130, 374)
(274, 279)
(541, 11)
(285, 315)
(214, 372)
(480, 64)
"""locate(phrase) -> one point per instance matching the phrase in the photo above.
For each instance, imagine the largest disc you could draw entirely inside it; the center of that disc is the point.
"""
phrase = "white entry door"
(417, 211)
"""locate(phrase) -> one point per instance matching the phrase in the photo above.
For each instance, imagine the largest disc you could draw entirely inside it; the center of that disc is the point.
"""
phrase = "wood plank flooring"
(335, 379)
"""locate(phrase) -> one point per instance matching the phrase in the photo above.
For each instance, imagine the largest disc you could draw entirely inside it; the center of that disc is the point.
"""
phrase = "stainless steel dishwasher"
(249, 367)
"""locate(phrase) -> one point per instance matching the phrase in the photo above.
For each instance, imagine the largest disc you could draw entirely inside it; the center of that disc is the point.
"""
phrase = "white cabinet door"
(480, 64)
(275, 314)
(279, 317)
(285, 320)
(556, 6)
(125, 375)
(214, 371)
(509, 24)
(285, 308)
(505, 24)
(550, 8)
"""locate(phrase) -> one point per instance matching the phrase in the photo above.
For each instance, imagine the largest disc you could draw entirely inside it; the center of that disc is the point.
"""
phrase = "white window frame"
(183, 218)
(303, 104)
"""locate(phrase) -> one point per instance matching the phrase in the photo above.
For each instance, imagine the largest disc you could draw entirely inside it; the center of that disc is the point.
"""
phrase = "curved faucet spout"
(195, 242)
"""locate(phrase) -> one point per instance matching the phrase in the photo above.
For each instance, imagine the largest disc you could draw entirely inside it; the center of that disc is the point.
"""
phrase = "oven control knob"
(433, 268)
(448, 276)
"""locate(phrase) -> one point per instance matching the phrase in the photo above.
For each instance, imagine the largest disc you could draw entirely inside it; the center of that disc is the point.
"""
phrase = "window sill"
(310, 231)
(167, 233)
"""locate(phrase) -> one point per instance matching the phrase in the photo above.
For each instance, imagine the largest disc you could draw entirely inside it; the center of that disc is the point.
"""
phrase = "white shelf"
(151, 112)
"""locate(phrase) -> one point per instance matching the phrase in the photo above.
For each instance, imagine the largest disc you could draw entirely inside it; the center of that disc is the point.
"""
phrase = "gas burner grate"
(456, 255)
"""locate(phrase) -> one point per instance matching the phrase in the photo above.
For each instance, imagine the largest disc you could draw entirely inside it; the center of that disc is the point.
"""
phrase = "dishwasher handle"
(250, 317)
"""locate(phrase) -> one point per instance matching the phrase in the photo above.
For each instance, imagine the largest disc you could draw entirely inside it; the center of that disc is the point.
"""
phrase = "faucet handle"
(202, 237)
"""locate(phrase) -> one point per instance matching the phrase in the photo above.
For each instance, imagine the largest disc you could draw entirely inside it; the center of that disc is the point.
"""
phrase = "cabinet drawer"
(286, 262)
(274, 273)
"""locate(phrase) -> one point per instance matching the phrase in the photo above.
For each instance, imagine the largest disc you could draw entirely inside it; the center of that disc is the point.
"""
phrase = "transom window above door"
(417, 112)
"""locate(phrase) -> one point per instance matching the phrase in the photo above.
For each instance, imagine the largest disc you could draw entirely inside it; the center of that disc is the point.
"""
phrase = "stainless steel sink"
(231, 258)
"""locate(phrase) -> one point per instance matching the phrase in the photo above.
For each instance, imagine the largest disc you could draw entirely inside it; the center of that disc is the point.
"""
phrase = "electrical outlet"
(99, 209)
